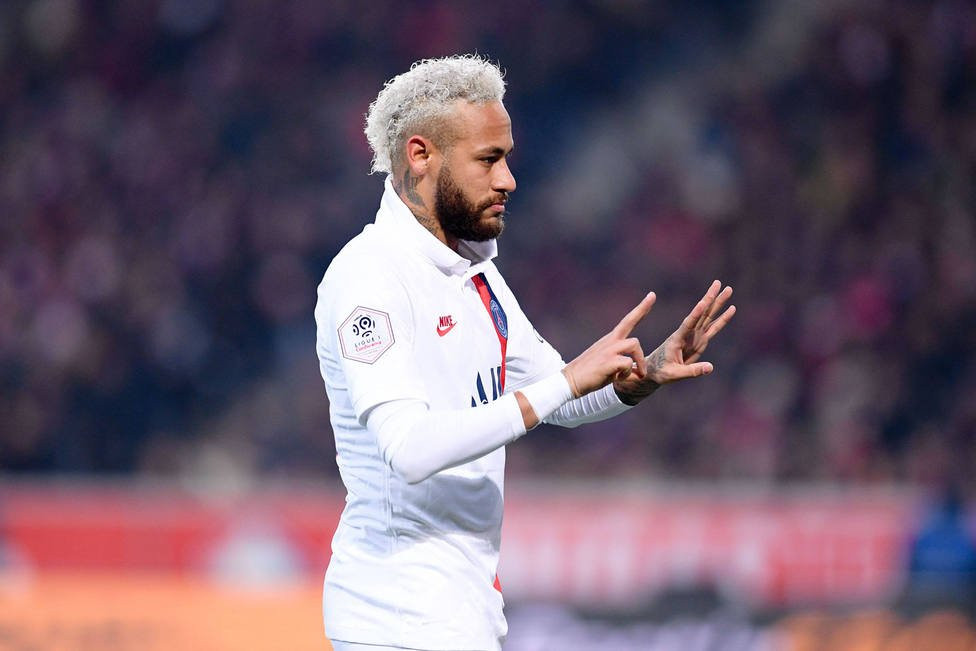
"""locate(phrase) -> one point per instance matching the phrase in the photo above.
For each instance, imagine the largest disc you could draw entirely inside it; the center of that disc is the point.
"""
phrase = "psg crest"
(498, 316)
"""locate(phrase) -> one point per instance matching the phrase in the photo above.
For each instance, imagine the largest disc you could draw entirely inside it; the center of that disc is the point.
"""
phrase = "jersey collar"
(395, 217)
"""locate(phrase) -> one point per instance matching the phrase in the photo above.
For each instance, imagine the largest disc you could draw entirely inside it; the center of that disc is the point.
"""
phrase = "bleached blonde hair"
(420, 100)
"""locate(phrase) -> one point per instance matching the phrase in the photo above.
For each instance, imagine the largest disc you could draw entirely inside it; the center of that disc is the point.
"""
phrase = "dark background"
(175, 176)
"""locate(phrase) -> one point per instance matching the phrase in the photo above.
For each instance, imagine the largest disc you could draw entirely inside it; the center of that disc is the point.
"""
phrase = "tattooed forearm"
(657, 358)
(632, 391)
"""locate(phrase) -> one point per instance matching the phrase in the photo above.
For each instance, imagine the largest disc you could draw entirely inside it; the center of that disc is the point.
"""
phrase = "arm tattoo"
(633, 391)
(658, 358)
(633, 394)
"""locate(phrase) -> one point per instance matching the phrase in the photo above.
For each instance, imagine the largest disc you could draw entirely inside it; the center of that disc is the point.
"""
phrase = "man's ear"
(418, 151)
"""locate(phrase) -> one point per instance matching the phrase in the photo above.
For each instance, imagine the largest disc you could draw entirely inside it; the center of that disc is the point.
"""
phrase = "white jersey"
(400, 316)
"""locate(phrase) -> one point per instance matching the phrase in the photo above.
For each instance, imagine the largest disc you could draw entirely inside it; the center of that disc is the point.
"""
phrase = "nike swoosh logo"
(443, 331)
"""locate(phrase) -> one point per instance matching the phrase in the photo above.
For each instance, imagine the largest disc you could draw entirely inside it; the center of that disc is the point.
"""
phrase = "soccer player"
(431, 368)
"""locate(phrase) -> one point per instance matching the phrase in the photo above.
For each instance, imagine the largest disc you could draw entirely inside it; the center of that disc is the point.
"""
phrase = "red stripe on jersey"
(481, 284)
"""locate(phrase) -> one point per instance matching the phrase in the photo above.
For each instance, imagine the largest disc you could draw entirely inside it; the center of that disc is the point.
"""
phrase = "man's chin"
(492, 227)
(481, 228)
(486, 230)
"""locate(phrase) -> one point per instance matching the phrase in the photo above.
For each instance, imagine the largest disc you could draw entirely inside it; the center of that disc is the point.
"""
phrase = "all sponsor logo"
(484, 396)
(366, 334)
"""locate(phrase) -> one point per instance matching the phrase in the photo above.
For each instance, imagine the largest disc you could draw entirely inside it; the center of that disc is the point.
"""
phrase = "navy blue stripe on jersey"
(496, 310)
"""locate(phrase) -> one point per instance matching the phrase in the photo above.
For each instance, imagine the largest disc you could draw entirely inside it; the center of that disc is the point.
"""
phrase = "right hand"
(612, 357)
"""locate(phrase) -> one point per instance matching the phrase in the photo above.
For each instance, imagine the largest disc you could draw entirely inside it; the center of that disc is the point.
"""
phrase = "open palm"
(677, 358)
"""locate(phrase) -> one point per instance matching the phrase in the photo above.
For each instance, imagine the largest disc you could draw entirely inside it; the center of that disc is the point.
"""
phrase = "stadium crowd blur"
(175, 175)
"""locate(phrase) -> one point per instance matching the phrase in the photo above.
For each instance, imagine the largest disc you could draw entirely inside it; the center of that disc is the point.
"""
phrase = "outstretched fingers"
(695, 317)
(720, 322)
(711, 294)
(703, 315)
(720, 300)
(635, 316)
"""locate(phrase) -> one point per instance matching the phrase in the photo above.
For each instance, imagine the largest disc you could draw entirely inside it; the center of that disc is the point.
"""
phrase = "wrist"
(574, 390)
(631, 393)
(547, 395)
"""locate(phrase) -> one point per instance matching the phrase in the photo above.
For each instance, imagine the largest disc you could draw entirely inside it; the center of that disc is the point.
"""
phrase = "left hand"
(677, 358)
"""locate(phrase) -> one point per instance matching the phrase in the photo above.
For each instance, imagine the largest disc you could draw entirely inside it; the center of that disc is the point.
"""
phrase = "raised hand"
(614, 356)
(677, 358)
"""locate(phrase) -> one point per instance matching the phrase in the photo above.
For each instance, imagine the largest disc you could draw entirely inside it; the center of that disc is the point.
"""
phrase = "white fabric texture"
(339, 645)
(416, 442)
(593, 407)
(399, 318)
(548, 394)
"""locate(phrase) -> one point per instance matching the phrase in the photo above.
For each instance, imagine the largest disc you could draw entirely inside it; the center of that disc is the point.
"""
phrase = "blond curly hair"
(419, 100)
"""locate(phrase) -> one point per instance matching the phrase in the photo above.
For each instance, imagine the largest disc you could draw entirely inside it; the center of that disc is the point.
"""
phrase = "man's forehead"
(483, 124)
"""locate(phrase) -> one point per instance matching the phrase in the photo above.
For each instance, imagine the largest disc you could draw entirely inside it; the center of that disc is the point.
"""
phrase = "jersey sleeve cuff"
(548, 394)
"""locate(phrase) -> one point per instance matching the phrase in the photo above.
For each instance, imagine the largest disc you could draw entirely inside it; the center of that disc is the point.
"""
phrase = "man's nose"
(503, 180)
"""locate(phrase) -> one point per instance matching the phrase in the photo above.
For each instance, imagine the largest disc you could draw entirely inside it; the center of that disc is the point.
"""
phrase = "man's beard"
(459, 218)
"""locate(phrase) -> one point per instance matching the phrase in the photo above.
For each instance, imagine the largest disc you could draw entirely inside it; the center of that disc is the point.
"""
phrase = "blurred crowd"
(175, 175)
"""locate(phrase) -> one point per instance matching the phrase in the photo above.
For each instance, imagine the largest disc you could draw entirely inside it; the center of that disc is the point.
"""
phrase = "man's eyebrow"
(495, 151)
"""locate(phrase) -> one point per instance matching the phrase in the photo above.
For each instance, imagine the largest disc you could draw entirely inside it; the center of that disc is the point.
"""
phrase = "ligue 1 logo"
(363, 326)
(365, 335)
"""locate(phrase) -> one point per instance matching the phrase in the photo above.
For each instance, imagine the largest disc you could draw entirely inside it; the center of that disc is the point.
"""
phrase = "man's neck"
(406, 188)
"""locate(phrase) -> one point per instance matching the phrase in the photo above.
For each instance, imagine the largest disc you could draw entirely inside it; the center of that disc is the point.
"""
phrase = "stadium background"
(175, 175)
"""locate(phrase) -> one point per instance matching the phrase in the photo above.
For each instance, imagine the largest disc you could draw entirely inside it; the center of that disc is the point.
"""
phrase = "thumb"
(697, 369)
